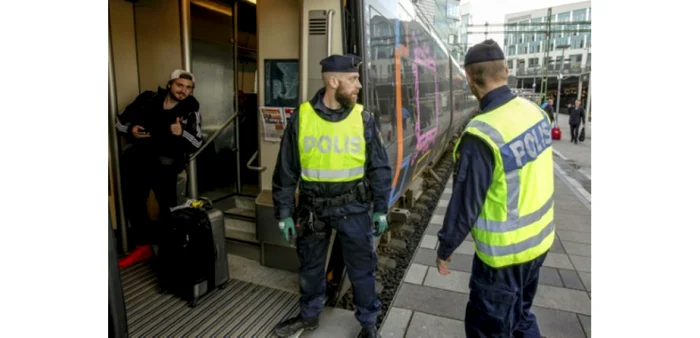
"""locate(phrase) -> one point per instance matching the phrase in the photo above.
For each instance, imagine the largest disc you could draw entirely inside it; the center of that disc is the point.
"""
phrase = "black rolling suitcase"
(192, 252)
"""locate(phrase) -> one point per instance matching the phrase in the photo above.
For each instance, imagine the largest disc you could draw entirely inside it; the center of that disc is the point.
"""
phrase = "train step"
(239, 229)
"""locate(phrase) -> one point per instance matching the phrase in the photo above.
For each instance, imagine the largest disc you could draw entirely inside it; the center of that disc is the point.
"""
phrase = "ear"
(334, 82)
(469, 81)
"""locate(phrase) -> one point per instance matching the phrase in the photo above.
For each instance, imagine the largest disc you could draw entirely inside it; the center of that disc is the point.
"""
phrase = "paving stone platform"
(428, 304)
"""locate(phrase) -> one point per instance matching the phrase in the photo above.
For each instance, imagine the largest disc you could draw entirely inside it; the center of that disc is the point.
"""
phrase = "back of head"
(485, 65)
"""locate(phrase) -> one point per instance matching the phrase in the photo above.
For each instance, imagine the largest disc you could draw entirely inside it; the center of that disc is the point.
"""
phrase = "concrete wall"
(121, 16)
(157, 41)
(145, 44)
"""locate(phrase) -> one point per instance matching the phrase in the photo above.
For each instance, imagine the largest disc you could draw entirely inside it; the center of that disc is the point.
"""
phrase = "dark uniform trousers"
(500, 300)
(357, 241)
(141, 172)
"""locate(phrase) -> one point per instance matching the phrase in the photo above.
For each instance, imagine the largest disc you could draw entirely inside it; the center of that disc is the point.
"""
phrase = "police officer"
(333, 145)
(503, 194)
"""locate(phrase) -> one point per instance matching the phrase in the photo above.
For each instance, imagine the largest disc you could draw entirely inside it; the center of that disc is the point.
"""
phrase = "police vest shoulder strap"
(306, 105)
(365, 114)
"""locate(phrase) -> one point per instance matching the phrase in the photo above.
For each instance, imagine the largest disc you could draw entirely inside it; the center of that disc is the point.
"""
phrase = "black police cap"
(347, 63)
(485, 51)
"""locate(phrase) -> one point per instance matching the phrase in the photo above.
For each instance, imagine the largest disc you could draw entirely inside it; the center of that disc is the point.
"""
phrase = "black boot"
(369, 332)
(291, 326)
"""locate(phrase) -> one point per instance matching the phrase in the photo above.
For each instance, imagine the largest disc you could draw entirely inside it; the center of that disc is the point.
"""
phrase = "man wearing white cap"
(162, 128)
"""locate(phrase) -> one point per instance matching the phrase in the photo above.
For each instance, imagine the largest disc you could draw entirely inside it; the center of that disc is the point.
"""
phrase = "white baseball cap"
(181, 74)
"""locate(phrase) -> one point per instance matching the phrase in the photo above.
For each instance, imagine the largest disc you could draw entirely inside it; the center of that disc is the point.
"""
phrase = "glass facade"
(526, 40)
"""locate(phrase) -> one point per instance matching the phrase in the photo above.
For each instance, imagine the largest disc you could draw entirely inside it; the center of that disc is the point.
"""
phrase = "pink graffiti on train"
(423, 57)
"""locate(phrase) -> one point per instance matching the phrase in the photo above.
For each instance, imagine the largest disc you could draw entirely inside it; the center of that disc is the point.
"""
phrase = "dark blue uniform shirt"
(472, 180)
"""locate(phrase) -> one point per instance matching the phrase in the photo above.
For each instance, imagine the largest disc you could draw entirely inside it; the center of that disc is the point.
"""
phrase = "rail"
(215, 135)
(329, 23)
(252, 167)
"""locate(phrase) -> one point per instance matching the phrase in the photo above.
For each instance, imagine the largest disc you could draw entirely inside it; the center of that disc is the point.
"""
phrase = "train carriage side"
(414, 86)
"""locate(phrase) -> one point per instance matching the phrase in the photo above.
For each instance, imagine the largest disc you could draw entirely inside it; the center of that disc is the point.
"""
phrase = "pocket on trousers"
(491, 309)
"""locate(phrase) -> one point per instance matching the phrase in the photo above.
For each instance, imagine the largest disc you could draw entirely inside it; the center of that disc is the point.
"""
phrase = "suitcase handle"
(206, 201)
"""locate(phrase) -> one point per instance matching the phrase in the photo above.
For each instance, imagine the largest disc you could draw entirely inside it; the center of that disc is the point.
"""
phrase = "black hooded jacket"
(147, 111)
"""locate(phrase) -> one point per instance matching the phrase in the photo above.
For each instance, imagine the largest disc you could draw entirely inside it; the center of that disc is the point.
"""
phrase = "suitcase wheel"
(193, 303)
(222, 286)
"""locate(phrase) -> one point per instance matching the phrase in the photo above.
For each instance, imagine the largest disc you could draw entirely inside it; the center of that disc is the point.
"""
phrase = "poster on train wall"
(273, 121)
(288, 113)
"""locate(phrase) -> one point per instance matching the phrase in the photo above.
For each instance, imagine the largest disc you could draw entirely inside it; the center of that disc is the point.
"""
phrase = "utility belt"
(309, 207)
(360, 193)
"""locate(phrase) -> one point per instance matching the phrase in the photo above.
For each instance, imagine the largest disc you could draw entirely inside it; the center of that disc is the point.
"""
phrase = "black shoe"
(369, 332)
(291, 326)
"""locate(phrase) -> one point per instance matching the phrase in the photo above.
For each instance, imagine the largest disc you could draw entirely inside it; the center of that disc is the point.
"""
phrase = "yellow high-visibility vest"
(331, 151)
(516, 224)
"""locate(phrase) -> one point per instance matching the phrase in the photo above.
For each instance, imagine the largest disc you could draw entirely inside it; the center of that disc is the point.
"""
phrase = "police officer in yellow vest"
(503, 194)
(333, 145)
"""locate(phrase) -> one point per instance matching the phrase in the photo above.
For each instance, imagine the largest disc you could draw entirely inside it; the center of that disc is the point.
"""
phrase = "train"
(249, 55)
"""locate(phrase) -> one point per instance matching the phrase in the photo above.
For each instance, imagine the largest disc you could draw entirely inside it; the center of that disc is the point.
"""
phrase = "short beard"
(344, 99)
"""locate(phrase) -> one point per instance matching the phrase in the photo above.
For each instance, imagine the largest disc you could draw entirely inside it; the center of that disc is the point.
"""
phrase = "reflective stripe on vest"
(331, 151)
(516, 224)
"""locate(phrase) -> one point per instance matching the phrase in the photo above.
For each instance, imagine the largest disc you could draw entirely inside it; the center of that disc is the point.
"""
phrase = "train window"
(382, 78)
(408, 95)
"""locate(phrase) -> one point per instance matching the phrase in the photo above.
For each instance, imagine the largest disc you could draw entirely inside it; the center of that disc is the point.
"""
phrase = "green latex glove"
(286, 225)
(379, 222)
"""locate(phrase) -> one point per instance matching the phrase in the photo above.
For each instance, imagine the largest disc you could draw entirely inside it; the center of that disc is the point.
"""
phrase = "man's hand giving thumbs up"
(176, 128)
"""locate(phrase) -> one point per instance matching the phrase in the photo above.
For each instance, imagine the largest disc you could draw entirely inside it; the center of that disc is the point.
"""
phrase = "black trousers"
(500, 300)
(142, 172)
(574, 131)
(357, 242)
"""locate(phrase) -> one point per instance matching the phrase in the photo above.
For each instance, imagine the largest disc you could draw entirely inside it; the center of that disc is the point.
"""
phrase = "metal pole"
(580, 87)
(559, 77)
(114, 149)
(239, 189)
(545, 63)
(185, 42)
(588, 99)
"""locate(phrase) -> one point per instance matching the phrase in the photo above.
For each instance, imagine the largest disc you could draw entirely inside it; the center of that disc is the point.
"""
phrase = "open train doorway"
(224, 58)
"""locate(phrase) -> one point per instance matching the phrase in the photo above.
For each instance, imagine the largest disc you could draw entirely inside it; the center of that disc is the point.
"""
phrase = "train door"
(224, 59)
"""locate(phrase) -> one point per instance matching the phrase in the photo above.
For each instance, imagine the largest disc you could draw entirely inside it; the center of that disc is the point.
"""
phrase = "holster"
(310, 224)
